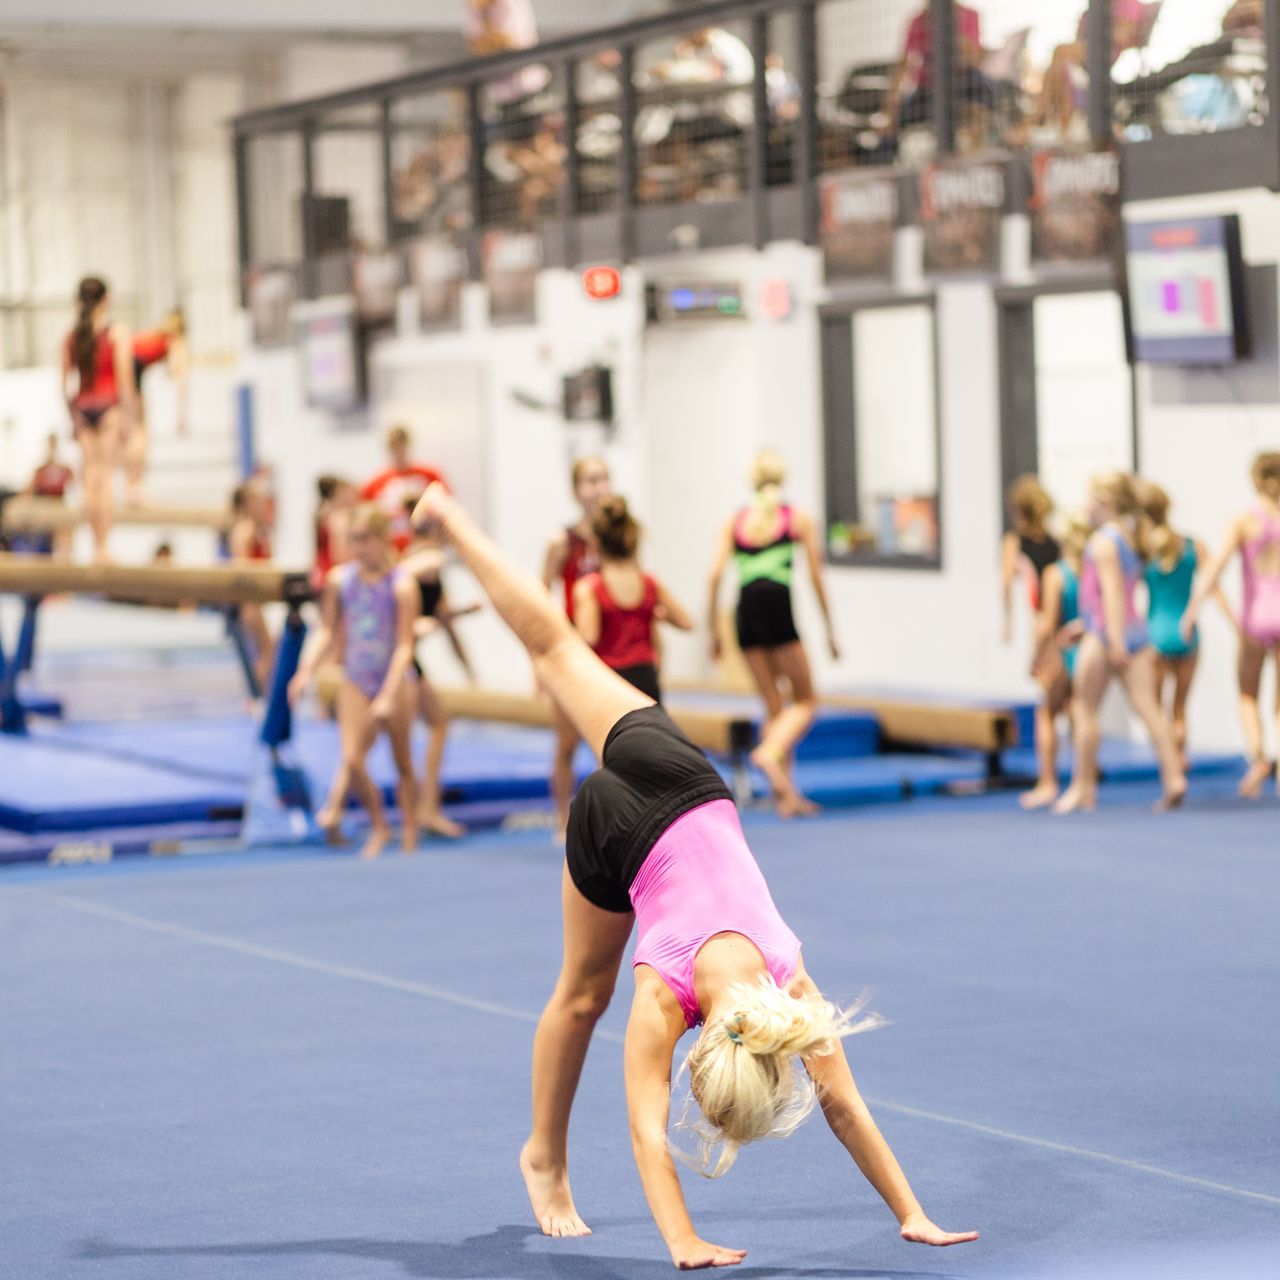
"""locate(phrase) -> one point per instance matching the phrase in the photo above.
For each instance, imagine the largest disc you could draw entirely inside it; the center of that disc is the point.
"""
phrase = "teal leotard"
(1069, 611)
(1169, 593)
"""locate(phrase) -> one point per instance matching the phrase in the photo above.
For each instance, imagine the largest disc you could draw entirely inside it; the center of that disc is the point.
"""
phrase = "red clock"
(602, 283)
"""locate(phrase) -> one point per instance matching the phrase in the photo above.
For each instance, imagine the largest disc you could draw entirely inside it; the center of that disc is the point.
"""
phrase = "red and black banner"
(1075, 207)
(858, 220)
(962, 207)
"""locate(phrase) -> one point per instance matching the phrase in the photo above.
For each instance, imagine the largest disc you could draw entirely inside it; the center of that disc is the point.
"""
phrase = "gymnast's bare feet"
(376, 841)
(434, 821)
(1040, 797)
(1076, 800)
(1251, 784)
(330, 823)
(548, 1186)
(1173, 798)
(780, 784)
(797, 806)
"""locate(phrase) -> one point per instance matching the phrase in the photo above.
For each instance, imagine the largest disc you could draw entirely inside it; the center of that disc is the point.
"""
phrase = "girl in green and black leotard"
(761, 539)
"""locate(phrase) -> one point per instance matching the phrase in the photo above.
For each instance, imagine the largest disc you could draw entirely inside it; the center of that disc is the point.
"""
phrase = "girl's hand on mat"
(693, 1254)
(919, 1230)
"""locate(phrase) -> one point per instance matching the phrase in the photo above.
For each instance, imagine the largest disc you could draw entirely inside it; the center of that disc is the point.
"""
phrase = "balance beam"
(720, 732)
(935, 724)
(164, 585)
(47, 515)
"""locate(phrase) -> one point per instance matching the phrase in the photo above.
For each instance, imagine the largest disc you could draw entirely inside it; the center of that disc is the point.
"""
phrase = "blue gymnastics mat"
(837, 733)
(1121, 761)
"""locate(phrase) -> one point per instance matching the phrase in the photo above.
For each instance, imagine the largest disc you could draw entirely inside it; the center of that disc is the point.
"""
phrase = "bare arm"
(1111, 581)
(339, 523)
(586, 612)
(122, 343)
(553, 561)
(67, 366)
(408, 604)
(652, 1033)
(238, 540)
(178, 366)
(446, 615)
(720, 561)
(808, 532)
(1211, 577)
(328, 643)
(852, 1124)
(1046, 632)
(672, 612)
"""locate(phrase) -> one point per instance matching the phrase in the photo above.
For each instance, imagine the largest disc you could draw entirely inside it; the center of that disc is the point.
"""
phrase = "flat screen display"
(330, 354)
(1186, 291)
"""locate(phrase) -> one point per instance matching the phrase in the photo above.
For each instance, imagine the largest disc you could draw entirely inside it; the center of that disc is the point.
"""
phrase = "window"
(882, 441)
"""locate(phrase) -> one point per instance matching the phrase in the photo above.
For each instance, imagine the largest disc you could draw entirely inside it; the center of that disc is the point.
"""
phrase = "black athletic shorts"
(651, 775)
(644, 677)
(764, 616)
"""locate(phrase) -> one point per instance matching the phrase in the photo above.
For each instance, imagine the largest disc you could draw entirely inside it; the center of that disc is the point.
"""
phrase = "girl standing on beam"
(654, 838)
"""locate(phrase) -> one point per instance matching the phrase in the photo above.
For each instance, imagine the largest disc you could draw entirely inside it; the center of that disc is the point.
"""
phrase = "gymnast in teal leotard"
(1057, 640)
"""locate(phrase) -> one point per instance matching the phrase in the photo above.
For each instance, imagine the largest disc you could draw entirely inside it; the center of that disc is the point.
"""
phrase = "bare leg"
(592, 697)
(329, 819)
(99, 448)
(399, 729)
(786, 729)
(562, 779)
(1093, 674)
(1140, 684)
(765, 674)
(358, 732)
(135, 460)
(1275, 668)
(594, 941)
(1249, 663)
(430, 813)
(1057, 693)
(1183, 671)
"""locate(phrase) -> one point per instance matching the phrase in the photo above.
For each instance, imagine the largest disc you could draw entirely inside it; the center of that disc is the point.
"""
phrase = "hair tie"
(733, 1031)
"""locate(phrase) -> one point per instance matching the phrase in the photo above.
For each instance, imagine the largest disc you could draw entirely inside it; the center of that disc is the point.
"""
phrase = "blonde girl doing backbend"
(1116, 642)
(654, 839)
(1255, 535)
(761, 539)
(368, 609)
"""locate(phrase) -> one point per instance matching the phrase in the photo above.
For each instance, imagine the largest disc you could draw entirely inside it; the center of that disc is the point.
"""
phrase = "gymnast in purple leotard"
(368, 610)
(654, 840)
(1256, 536)
(1115, 642)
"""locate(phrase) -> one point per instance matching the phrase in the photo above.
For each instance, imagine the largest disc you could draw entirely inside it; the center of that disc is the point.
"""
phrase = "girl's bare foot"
(330, 823)
(776, 775)
(376, 842)
(1039, 797)
(549, 1194)
(794, 805)
(1251, 784)
(434, 821)
(408, 839)
(1076, 800)
(1172, 798)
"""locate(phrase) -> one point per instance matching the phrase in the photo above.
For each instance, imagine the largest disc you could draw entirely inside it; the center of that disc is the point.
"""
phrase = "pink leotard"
(1261, 620)
(700, 880)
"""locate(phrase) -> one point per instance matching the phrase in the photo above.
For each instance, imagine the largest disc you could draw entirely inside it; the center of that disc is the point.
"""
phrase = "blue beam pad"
(1123, 762)
(836, 733)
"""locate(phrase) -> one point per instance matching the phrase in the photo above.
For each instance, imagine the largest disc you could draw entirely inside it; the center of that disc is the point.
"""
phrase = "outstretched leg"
(785, 730)
(1249, 666)
(1056, 685)
(592, 697)
(594, 941)
(1140, 684)
(1093, 674)
(431, 816)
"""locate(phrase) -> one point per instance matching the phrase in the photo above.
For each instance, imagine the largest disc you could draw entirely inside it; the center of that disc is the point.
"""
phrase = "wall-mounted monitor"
(675, 301)
(330, 354)
(1186, 291)
(588, 395)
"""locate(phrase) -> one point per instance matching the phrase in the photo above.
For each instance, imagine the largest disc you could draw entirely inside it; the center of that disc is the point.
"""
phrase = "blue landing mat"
(1121, 761)
(836, 733)
(45, 788)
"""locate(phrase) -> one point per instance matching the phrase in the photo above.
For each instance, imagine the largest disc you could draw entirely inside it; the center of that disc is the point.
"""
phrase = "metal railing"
(713, 125)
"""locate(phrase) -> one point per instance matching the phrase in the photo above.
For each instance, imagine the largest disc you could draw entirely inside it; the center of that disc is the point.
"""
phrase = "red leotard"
(102, 392)
(51, 480)
(150, 348)
(324, 551)
(626, 635)
(580, 559)
(394, 489)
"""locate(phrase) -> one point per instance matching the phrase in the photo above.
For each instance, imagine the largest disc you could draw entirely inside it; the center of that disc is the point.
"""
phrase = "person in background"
(617, 608)
(1028, 549)
(163, 555)
(248, 541)
(762, 539)
(399, 485)
(1116, 642)
(50, 481)
(151, 347)
(909, 98)
(1053, 663)
(571, 555)
(1255, 537)
(332, 521)
(97, 378)
(368, 608)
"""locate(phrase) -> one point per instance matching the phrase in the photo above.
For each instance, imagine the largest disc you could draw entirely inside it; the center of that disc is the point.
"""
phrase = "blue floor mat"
(1122, 761)
(838, 784)
(836, 732)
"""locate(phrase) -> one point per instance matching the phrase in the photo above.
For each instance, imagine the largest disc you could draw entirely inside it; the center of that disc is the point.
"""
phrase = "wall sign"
(376, 279)
(271, 296)
(438, 268)
(512, 260)
(1075, 206)
(858, 219)
(962, 206)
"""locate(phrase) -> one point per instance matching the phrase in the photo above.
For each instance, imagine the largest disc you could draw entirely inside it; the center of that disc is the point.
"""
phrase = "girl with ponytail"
(98, 380)
(1255, 535)
(1116, 640)
(617, 608)
(654, 841)
(761, 539)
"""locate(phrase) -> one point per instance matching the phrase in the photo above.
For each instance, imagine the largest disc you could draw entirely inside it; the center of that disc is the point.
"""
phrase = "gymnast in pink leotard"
(1255, 535)
(654, 839)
